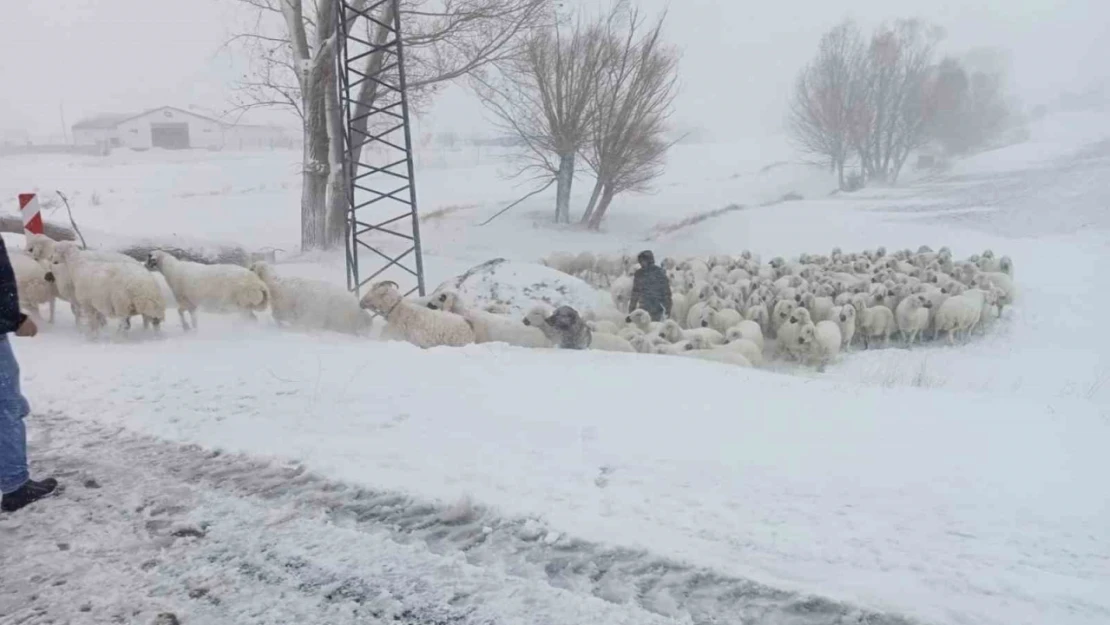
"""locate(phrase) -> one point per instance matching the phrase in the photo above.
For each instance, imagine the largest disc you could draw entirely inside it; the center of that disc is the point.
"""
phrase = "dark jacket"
(651, 290)
(10, 316)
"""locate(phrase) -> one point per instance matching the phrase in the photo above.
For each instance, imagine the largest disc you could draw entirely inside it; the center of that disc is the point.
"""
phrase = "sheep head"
(800, 315)
(807, 335)
(382, 297)
(262, 269)
(156, 260)
(564, 318)
(537, 317)
(847, 314)
(443, 301)
(639, 317)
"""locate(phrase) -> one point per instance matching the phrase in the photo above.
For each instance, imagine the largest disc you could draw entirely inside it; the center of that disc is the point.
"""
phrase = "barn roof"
(111, 120)
(105, 120)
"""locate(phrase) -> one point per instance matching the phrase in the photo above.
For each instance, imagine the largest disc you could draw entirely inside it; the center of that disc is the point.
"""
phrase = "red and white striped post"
(32, 215)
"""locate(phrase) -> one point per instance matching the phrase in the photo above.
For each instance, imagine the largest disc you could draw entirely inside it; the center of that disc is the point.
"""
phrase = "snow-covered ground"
(941, 485)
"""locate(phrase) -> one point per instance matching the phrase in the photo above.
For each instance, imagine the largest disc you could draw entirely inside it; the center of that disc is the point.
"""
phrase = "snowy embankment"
(810, 485)
(951, 485)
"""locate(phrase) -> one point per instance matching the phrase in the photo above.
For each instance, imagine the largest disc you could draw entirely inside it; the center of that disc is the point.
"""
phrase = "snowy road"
(146, 528)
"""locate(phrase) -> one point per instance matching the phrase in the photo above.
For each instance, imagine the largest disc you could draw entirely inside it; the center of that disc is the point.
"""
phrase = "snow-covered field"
(936, 485)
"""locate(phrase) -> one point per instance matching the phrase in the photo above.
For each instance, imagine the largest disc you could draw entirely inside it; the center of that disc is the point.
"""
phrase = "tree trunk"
(593, 202)
(337, 211)
(840, 173)
(314, 186)
(602, 206)
(563, 181)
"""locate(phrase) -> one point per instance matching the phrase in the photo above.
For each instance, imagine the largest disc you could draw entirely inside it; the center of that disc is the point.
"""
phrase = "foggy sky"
(738, 65)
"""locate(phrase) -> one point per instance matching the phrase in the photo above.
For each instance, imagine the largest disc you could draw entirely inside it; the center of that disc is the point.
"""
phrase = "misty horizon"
(74, 60)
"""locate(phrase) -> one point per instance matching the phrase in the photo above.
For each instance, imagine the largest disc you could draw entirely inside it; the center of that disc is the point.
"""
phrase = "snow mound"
(520, 286)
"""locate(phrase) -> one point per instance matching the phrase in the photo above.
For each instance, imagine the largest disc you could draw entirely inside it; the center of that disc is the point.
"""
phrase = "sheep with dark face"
(564, 327)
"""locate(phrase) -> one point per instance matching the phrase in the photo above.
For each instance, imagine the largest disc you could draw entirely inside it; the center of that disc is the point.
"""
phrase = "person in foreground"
(16, 486)
(651, 290)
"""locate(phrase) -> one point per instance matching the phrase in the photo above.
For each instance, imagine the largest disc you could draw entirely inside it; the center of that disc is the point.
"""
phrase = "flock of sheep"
(102, 285)
(730, 309)
(807, 309)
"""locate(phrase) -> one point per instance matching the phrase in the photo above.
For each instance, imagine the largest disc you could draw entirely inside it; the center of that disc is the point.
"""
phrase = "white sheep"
(750, 350)
(912, 316)
(32, 283)
(680, 307)
(414, 322)
(820, 308)
(65, 287)
(39, 247)
(723, 319)
(641, 319)
(674, 333)
(609, 343)
(788, 334)
(621, 292)
(845, 318)
(489, 327)
(604, 326)
(821, 342)
(219, 288)
(110, 290)
(746, 329)
(605, 313)
(697, 316)
(723, 356)
(312, 304)
(961, 313)
(873, 322)
(673, 349)
(999, 280)
(781, 313)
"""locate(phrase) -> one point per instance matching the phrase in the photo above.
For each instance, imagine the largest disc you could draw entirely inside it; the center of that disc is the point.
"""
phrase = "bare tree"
(828, 106)
(294, 66)
(898, 64)
(634, 98)
(543, 99)
(875, 100)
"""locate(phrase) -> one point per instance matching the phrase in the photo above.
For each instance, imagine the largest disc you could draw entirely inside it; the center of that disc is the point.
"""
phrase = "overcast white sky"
(739, 59)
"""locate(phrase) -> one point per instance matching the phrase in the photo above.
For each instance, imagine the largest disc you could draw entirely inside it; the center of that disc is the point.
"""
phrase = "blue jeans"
(13, 436)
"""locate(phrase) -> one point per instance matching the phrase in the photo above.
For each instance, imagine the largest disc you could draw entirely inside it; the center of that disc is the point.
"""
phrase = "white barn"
(172, 128)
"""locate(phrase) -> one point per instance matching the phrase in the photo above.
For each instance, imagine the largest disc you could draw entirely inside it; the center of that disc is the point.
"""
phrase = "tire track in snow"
(523, 549)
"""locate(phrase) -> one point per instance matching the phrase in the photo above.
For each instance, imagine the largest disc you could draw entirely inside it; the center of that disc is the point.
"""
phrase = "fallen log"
(14, 224)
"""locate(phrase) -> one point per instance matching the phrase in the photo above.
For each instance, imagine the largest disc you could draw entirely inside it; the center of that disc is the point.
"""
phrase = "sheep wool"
(312, 304)
(821, 342)
(416, 323)
(912, 315)
(490, 327)
(32, 284)
(218, 288)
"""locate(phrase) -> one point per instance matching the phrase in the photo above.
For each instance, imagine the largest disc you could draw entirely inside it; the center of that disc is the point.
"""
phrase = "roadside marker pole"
(32, 215)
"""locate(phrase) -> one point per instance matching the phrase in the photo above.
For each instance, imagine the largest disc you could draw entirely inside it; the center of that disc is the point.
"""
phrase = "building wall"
(244, 137)
(94, 136)
(203, 133)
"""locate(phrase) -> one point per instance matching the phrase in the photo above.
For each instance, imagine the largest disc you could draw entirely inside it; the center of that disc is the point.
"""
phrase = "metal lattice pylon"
(377, 146)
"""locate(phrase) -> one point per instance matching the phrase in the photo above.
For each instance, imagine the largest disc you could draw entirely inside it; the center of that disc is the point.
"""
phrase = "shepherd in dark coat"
(651, 290)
